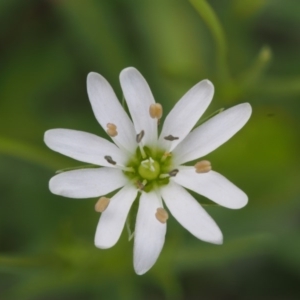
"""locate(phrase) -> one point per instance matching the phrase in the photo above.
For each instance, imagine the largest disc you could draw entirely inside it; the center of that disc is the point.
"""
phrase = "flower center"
(149, 169)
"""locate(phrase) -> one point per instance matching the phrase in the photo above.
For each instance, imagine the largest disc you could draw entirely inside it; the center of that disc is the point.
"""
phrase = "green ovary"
(149, 169)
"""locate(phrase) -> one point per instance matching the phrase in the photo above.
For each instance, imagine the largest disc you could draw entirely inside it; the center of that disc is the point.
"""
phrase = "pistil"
(149, 169)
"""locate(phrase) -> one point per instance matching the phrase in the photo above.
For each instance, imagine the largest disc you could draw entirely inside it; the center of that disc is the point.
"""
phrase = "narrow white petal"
(149, 235)
(139, 98)
(185, 114)
(87, 183)
(212, 185)
(107, 109)
(84, 146)
(112, 220)
(190, 214)
(213, 133)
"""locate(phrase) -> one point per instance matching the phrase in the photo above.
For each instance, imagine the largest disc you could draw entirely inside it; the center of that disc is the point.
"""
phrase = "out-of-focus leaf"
(25, 78)
(91, 26)
(247, 8)
(29, 153)
(193, 257)
(283, 88)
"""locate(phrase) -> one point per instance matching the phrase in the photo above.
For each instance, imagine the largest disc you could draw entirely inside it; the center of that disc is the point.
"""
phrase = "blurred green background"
(248, 48)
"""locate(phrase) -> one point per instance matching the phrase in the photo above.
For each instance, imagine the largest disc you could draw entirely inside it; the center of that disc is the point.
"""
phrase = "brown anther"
(203, 166)
(171, 138)
(110, 160)
(102, 204)
(155, 111)
(111, 129)
(167, 154)
(140, 136)
(162, 215)
(139, 185)
(173, 173)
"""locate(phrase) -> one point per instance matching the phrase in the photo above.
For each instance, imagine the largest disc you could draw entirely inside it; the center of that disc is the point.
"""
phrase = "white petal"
(139, 98)
(212, 134)
(214, 186)
(185, 114)
(87, 183)
(149, 235)
(190, 214)
(107, 109)
(84, 146)
(112, 220)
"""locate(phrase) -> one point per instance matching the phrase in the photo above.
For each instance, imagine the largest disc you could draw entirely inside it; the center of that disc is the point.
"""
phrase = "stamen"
(123, 168)
(140, 136)
(203, 166)
(156, 111)
(111, 126)
(127, 169)
(111, 129)
(110, 160)
(171, 138)
(162, 215)
(165, 156)
(102, 204)
(140, 185)
(162, 176)
(173, 173)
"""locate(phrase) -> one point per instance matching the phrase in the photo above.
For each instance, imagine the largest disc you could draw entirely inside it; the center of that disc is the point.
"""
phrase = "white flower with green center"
(148, 167)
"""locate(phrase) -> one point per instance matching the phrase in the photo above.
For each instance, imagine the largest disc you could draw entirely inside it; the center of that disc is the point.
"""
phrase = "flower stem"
(210, 18)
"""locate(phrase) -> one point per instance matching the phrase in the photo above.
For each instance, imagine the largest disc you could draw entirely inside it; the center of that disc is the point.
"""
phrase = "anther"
(140, 185)
(140, 136)
(173, 173)
(203, 166)
(102, 204)
(111, 129)
(155, 111)
(110, 160)
(165, 156)
(171, 138)
(162, 215)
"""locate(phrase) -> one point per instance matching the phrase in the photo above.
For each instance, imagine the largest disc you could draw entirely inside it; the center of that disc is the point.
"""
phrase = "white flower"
(140, 162)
